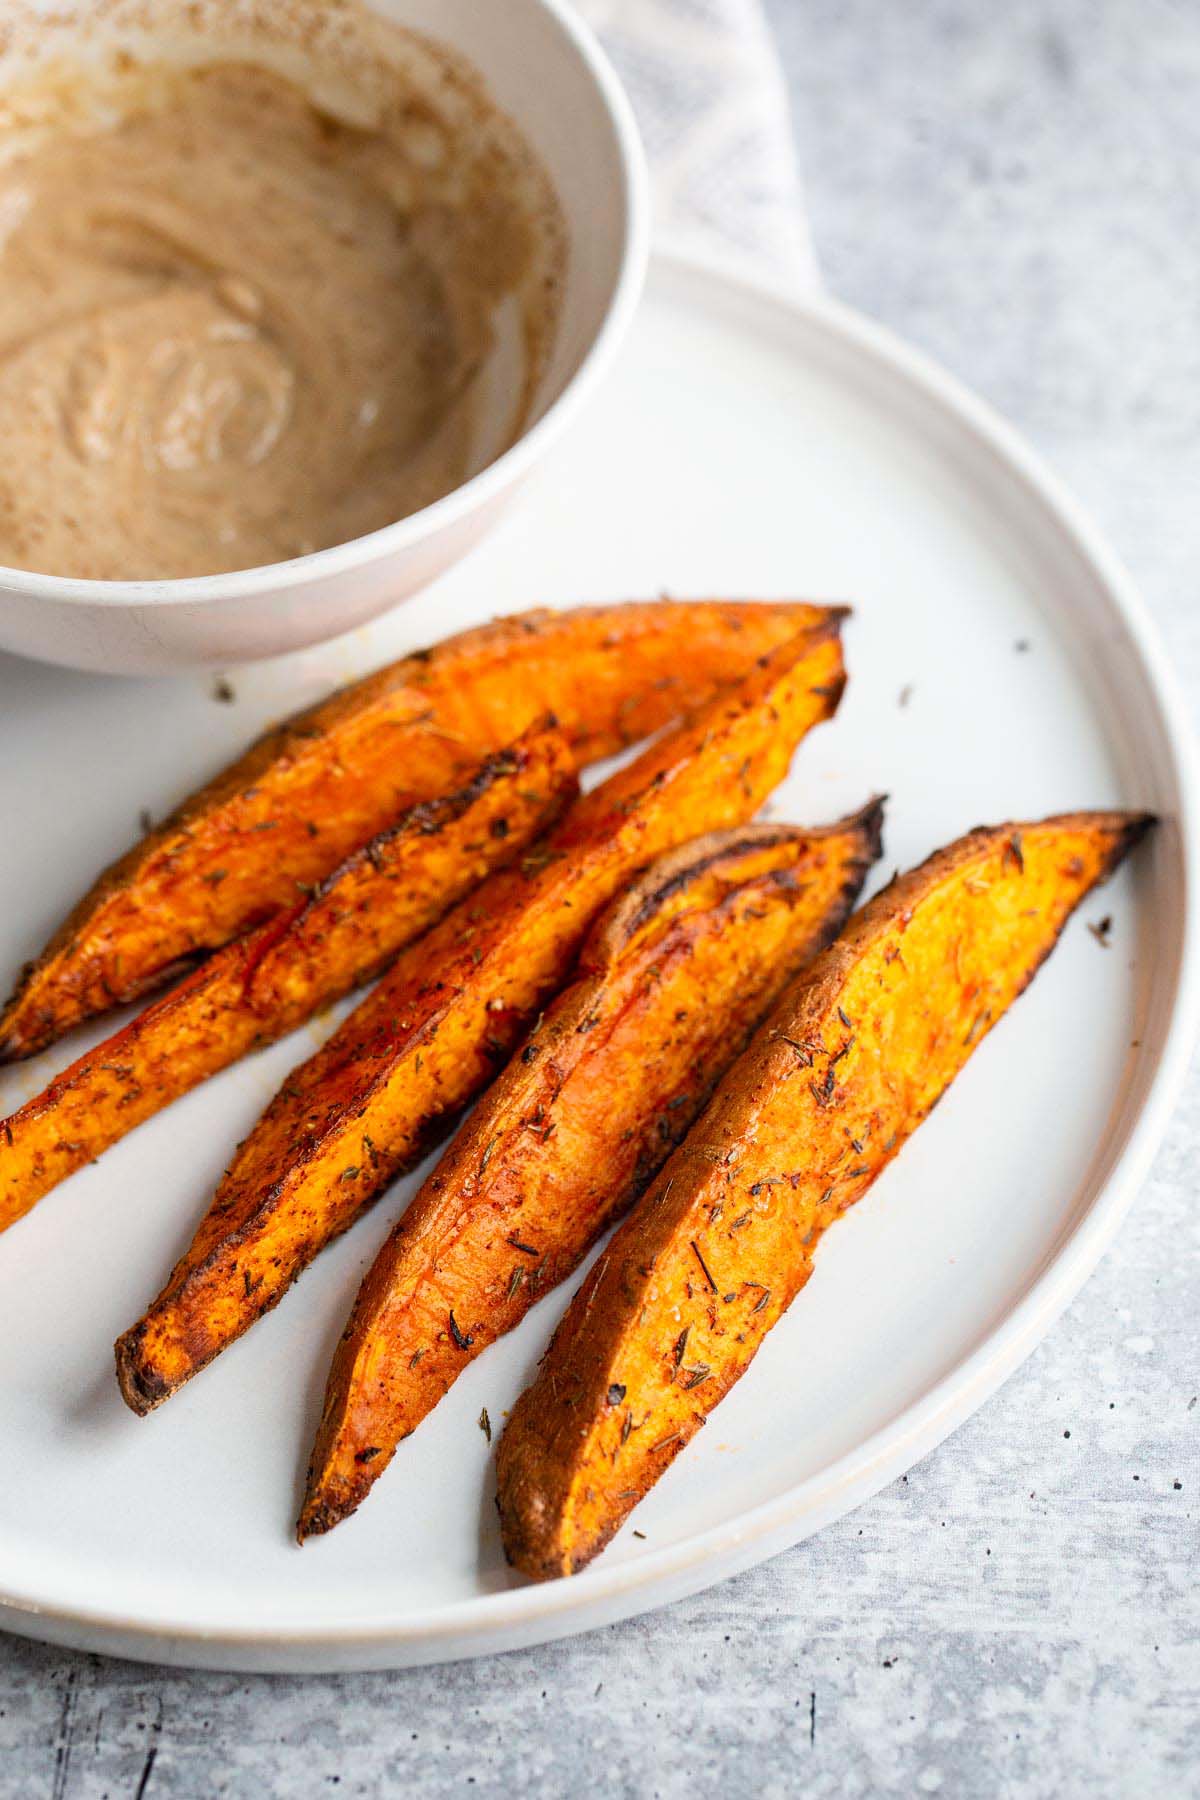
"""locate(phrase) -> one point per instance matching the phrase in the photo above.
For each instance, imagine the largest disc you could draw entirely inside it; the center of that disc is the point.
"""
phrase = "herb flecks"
(712, 1286)
(485, 1424)
(822, 1091)
(463, 1339)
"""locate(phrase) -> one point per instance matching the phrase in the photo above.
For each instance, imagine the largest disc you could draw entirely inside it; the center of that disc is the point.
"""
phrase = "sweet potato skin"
(451, 1010)
(312, 790)
(853, 1058)
(265, 984)
(673, 979)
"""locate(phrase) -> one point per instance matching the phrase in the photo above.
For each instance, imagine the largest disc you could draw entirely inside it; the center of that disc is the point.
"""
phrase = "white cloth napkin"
(709, 94)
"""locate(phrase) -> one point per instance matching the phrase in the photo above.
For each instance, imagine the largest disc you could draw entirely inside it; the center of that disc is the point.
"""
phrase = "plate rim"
(533, 1614)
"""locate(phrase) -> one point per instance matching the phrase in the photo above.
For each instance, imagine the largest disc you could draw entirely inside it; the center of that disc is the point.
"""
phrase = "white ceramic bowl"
(544, 68)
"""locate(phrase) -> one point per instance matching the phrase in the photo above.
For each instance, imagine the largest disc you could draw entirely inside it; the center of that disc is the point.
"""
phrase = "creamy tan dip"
(235, 327)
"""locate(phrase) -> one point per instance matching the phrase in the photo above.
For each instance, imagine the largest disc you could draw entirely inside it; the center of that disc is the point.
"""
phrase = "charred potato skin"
(674, 977)
(853, 1058)
(310, 791)
(452, 1009)
(265, 984)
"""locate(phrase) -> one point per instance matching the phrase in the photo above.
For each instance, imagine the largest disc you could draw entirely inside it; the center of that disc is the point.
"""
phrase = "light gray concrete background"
(1016, 188)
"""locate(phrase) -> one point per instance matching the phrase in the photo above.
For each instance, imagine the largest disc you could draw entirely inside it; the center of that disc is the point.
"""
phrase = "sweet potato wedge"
(852, 1059)
(447, 1015)
(673, 979)
(268, 982)
(311, 791)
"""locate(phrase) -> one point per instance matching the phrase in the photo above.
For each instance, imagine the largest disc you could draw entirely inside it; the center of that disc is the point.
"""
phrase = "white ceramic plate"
(745, 446)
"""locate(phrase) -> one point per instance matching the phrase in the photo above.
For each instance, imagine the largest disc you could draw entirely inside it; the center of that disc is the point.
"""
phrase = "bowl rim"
(474, 494)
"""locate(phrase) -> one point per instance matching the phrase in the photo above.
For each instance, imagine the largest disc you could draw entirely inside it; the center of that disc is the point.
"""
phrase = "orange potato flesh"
(852, 1059)
(674, 978)
(268, 982)
(310, 792)
(448, 1014)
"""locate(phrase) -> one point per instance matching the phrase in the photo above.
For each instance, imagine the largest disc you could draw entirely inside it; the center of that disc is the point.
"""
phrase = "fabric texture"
(710, 99)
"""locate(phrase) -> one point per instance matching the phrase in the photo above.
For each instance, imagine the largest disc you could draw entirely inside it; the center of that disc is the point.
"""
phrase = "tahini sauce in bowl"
(244, 316)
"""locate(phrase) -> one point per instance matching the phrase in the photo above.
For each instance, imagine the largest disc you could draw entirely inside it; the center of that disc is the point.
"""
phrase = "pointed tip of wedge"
(319, 1514)
(1137, 824)
(869, 819)
(142, 1387)
(16, 1044)
(1129, 828)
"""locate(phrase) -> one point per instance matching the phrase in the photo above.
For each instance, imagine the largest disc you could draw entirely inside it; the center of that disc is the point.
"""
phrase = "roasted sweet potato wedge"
(850, 1062)
(674, 977)
(268, 982)
(309, 793)
(447, 1015)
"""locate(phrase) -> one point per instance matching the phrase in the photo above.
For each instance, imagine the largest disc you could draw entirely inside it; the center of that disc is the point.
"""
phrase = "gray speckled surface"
(1016, 189)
